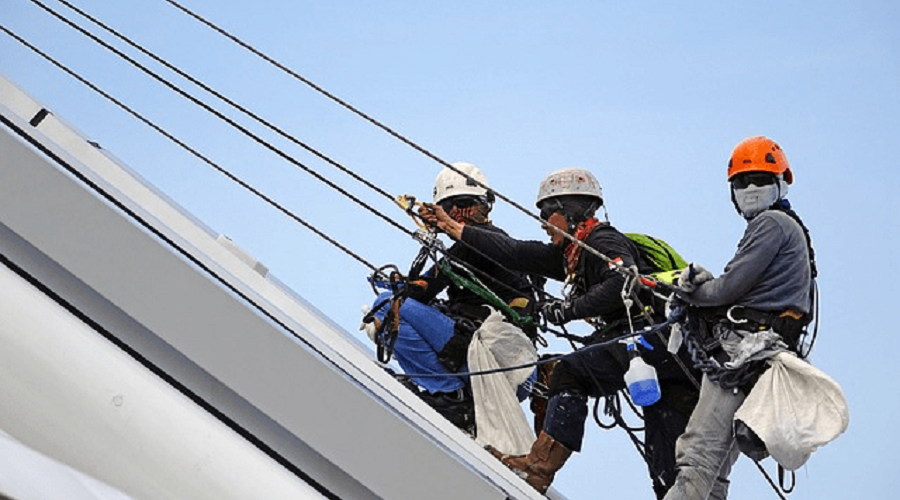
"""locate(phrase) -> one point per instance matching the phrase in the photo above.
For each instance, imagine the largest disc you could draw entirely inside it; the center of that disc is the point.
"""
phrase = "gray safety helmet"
(569, 181)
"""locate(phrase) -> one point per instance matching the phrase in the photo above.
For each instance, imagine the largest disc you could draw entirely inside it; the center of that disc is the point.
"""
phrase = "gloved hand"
(454, 354)
(371, 327)
(556, 312)
(692, 277)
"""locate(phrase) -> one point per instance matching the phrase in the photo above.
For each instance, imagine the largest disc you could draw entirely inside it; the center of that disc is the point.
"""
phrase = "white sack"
(794, 408)
(499, 419)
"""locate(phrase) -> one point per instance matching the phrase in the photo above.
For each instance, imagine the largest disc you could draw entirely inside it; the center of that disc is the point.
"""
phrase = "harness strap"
(789, 323)
(389, 329)
(484, 292)
(741, 315)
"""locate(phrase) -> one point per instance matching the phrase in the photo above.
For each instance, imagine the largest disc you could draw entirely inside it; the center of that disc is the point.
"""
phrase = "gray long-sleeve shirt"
(769, 272)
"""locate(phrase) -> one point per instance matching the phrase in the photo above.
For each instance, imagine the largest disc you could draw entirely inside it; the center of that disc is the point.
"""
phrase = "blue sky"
(650, 96)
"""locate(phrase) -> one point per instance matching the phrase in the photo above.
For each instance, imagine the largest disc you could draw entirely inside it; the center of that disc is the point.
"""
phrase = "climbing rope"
(219, 115)
(206, 107)
(645, 281)
(190, 150)
(218, 95)
(598, 345)
(405, 202)
(637, 278)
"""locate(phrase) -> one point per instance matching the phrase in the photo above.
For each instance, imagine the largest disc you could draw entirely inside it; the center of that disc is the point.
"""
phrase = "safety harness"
(387, 330)
(472, 283)
(399, 286)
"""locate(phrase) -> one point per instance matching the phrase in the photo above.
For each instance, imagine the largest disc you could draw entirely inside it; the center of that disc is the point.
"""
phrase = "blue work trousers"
(423, 333)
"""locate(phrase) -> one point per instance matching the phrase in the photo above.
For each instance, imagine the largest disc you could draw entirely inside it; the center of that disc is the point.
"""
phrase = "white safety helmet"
(450, 183)
(577, 181)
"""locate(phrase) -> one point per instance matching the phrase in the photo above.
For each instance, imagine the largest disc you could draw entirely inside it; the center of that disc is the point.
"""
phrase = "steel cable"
(266, 123)
(224, 118)
(194, 152)
(387, 129)
(224, 98)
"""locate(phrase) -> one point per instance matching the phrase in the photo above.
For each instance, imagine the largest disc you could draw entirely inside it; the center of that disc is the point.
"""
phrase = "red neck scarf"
(573, 250)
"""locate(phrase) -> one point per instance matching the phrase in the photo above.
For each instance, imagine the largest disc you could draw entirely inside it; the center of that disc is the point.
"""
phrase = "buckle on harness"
(730, 317)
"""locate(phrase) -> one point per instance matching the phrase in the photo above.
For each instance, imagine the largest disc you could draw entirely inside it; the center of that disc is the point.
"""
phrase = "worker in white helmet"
(435, 334)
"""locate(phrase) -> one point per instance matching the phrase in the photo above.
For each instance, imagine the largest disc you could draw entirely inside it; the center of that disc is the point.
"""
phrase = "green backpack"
(666, 262)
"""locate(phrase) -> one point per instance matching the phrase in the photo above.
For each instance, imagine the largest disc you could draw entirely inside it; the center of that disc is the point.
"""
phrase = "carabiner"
(732, 319)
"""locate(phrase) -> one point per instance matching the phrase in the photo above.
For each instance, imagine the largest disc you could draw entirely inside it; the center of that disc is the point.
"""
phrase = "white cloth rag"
(499, 418)
(794, 409)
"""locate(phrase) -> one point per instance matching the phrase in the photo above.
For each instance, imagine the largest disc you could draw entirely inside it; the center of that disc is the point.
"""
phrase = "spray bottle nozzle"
(632, 345)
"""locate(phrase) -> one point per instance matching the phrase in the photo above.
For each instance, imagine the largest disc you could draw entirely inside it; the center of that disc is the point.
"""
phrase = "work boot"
(539, 466)
(457, 406)
(540, 392)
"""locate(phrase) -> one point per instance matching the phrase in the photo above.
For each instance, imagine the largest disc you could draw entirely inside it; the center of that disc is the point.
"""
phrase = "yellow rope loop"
(408, 203)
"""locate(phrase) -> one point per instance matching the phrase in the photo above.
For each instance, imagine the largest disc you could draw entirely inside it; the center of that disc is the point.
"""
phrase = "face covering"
(475, 214)
(754, 199)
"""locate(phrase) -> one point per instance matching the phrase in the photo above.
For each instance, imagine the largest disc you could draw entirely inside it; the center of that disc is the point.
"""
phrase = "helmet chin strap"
(605, 214)
(574, 219)
(571, 223)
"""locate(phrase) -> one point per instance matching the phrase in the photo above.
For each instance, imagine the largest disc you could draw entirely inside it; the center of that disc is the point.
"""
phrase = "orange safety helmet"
(759, 154)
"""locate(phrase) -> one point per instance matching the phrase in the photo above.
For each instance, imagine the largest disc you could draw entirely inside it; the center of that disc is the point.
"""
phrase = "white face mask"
(754, 199)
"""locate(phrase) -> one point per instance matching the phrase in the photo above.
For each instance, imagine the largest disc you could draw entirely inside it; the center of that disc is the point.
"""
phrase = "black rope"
(266, 144)
(219, 115)
(194, 152)
(608, 405)
(340, 101)
(249, 134)
(766, 475)
(550, 359)
(267, 124)
(246, 132)
(294, 161)
(387, 129)
(281, 132)
(230, 102)
(227, 120)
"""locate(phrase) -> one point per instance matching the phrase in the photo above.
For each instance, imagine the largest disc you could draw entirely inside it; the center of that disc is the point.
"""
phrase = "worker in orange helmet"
(755, 309)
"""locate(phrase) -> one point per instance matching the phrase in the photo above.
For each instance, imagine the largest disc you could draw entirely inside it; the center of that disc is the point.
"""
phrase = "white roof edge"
(267, 305)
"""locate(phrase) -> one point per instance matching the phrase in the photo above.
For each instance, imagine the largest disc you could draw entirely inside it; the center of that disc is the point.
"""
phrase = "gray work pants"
(707, 450)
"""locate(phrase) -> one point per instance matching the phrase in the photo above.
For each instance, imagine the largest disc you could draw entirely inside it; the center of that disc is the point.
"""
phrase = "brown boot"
(539, 466)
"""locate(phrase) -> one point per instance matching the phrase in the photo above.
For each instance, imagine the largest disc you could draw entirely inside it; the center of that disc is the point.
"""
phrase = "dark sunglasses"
(743, 180)
(461, 202)
(549, 208)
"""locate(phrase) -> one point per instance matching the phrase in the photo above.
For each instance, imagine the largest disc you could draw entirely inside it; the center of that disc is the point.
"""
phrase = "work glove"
(556, 312)
(371, 326)
(692, 277)
(454, 354)
(791, 328)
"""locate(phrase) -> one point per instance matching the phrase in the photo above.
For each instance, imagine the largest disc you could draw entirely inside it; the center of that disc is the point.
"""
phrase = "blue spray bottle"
(641, 378)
